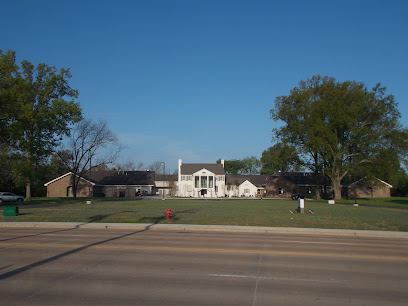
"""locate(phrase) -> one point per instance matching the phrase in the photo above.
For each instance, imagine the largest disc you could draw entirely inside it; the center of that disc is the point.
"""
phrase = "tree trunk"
(28, 190)
(74, 185)
(318, 196)
(316, 171)
(318, 188)
(337, 188)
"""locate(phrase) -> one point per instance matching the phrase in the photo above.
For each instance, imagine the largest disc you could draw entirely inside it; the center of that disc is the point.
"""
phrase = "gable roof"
(246, 181)
(257, 180)
(64, 175)
(58, 178)
(375, 178)
(112, 177)
(189, 169)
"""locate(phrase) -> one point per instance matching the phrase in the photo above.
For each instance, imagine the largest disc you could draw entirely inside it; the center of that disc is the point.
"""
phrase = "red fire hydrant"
(168, 213)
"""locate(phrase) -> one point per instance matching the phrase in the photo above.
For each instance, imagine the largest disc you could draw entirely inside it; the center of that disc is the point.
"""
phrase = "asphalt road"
(50, 266)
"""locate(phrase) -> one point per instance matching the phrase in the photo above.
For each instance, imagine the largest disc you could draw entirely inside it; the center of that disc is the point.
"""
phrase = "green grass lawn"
(274, 213)
(390, 202)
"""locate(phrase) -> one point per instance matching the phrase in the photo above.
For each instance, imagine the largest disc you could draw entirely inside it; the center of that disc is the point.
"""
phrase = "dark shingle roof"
(300, 178)
(188, 169)
(111, 177)
(297, 178)
(166, 177)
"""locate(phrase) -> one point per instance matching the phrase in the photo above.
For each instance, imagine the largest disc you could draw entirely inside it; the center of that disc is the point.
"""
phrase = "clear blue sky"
(196, 79)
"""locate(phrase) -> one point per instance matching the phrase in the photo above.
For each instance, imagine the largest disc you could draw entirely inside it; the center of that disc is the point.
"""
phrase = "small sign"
(331, 202)
(10, 211)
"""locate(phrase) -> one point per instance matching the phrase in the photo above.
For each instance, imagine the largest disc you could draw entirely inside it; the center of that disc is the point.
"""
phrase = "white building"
(247, 189)
(245, 185)
(201, 180)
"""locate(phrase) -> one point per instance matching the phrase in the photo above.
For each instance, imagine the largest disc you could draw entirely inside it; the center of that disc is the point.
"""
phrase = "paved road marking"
(274, 278)
(319, 242)
(63, 235)
(205, 250)
(332, 243)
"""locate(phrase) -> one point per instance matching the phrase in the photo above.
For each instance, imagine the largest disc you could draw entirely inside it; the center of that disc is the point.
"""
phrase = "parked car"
(139, 194)
(296, 196)
(10, 197)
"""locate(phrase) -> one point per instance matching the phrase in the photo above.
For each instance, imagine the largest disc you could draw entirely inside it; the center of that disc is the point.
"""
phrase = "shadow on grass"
(187, 211)
(401, 201)
(174, 217)
(98, 218)
(154, 220)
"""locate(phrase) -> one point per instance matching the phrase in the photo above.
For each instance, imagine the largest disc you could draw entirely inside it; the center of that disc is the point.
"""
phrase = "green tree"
(280, 157)
(234, 166)
(248, 165)
(252, 165)
(339, 126)
(8, 94)
(43, 109)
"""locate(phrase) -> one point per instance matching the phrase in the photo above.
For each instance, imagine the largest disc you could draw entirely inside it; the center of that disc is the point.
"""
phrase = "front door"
(70, 192)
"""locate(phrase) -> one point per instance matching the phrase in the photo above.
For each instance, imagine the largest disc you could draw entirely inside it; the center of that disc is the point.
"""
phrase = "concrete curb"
(206, 228)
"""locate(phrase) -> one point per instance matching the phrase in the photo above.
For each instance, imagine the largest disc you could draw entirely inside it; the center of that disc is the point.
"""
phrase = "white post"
(301, 203)
(179, 180)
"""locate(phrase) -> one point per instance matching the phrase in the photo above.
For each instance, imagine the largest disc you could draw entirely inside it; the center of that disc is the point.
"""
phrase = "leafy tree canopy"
(280, 157)
(38, 108)
(339, 126)
(248, 165)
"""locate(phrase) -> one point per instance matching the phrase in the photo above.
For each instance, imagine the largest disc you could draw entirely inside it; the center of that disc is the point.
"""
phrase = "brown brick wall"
(60, 188)
(273, 188)
(366, 190)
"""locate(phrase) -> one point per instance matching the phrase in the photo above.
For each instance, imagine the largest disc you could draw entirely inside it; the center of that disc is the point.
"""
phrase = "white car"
(10, 197)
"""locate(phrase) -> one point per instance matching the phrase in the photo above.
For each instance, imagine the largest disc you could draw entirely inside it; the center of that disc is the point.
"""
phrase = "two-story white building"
(201, 180)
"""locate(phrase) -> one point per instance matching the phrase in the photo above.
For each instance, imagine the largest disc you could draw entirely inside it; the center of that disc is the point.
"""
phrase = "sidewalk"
(207, 228)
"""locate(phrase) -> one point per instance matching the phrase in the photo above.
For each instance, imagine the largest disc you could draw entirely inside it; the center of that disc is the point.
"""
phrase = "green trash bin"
(10, 211)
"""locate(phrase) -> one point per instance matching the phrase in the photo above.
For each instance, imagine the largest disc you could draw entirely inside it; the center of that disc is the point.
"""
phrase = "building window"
(203, 182)
(280, 191)
(197, 182)
(211, 182)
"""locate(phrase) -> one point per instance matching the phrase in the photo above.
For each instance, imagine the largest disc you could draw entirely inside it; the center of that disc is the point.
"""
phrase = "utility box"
(10, 211)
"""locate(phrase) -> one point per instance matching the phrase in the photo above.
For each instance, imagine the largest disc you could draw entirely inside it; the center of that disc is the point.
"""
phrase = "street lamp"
(164, 174)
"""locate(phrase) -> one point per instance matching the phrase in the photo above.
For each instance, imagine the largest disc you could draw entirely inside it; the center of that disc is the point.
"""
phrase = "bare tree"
(91, 145)
(140, 166)
(129, 165)
(157, 167)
